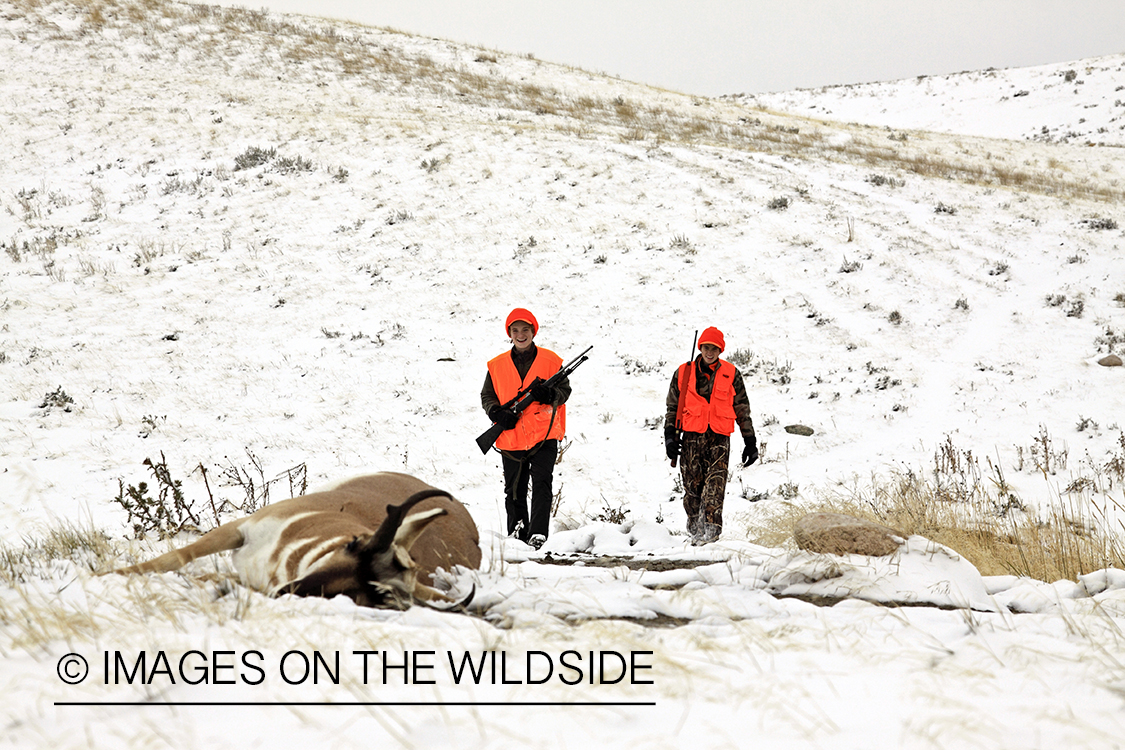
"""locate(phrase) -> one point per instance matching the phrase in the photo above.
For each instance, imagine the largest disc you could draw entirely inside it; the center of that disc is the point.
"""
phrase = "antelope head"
(377, 569)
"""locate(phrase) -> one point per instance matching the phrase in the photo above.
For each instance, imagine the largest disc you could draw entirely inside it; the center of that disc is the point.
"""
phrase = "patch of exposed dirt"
(655, 564)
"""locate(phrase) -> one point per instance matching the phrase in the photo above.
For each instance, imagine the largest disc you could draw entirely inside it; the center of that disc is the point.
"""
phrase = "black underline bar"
(356, 703)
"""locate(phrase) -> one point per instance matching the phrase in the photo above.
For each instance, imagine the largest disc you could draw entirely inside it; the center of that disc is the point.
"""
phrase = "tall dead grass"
(86, 547)
(1073, 536)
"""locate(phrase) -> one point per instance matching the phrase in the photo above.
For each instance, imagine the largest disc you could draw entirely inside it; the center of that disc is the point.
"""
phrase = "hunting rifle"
(523, 399)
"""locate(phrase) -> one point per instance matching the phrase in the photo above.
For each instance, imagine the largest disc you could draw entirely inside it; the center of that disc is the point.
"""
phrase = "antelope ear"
(408, 532)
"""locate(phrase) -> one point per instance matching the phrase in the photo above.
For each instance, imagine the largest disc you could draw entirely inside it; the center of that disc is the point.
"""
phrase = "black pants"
(537, 466)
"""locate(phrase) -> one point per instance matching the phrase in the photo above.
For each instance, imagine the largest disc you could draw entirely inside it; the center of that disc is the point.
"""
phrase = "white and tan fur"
(377, 539)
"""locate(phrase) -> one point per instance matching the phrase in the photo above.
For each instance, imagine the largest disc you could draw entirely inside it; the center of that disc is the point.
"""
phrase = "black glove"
(750, 452)
(542, 392)
(671, 444)
(506, 418)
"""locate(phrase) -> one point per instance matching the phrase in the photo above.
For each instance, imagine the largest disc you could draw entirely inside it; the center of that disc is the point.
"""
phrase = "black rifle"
(523, 399)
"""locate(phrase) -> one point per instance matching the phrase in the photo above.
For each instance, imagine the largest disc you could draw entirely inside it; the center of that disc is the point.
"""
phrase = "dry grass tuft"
(87, 548)
(989, 527)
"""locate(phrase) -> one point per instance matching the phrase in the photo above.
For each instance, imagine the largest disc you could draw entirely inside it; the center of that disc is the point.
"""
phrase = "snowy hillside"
(278, 251)
(1081, 103)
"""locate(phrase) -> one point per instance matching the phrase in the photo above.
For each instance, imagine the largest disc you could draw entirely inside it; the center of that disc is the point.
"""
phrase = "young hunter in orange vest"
(529, 444)
(713, 400)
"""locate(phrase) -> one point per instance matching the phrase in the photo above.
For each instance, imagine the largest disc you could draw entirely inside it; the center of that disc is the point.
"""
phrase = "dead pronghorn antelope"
(377, 539)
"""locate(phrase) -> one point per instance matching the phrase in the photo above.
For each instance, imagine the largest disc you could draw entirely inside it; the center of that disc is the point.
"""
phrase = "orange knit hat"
(714, 337)
(521, 314)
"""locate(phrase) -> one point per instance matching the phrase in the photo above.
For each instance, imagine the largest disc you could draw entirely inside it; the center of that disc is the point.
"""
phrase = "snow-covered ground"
(1080, 103)
(333, 305)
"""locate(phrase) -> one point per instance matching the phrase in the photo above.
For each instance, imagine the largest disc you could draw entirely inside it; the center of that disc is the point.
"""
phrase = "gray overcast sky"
(712, 47)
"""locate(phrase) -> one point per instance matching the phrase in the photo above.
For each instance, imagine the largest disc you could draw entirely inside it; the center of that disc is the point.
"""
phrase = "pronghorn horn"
(447, 604)
(388, 530)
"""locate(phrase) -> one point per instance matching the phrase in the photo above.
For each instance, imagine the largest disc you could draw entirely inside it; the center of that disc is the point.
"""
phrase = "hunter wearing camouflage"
(707, 397)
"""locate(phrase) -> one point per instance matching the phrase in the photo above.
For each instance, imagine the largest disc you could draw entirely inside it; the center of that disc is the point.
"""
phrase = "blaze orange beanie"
(521, 314)
(714, 337)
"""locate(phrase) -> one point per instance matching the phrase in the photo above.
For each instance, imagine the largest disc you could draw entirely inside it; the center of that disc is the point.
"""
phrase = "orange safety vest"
(532, 428)
(718, 414)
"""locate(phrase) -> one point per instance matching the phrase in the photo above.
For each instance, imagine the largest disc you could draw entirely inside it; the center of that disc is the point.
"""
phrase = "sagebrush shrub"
(1099, 223)
(57, 399)
(254, 157)
(292, 164)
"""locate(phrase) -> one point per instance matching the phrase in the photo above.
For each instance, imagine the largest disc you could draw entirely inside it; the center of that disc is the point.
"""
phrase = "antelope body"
(377, 539)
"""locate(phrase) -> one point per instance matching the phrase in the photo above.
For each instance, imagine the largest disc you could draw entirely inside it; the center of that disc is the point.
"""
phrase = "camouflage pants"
(703, 466)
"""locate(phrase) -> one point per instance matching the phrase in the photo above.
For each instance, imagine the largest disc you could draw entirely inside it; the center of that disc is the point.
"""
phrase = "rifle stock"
(488, 437)
(523, 399)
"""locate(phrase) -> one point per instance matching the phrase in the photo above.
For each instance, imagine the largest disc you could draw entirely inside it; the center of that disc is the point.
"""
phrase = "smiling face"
(522, 334)
(710, 353)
